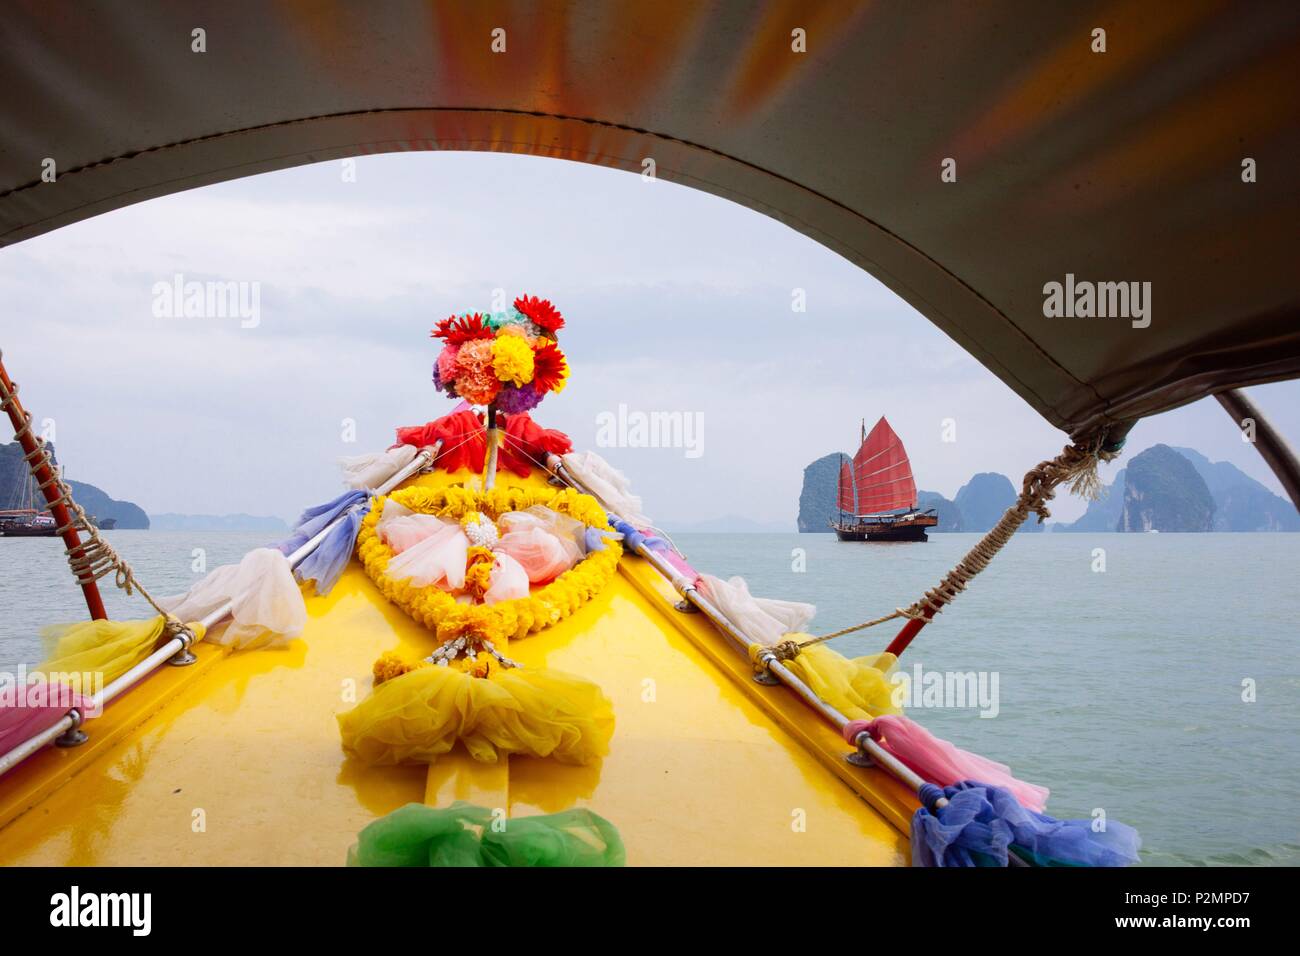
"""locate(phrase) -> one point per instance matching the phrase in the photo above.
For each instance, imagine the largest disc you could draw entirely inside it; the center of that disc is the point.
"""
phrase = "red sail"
(847, 498)
(882, 473)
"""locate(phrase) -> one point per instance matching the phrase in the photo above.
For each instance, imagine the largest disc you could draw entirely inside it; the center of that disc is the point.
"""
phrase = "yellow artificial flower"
(478, 578)
(391, 664)
(512, 360)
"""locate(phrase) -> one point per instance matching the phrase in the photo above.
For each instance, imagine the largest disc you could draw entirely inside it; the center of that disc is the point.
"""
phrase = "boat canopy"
(1139, 156)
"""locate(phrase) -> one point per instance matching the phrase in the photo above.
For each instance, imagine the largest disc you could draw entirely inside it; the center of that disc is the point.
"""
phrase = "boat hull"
(29, 531)
(911, 528)
(221, 762)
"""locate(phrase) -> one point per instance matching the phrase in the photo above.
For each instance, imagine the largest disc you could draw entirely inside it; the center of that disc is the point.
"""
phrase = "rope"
(1076, 464)
(94, 558)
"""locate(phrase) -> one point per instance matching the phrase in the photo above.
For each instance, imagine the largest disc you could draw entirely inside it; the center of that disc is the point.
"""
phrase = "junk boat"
(639, 710)
(877, 495)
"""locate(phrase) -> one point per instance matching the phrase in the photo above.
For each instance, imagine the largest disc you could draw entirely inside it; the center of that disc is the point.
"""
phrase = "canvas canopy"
(969, 155)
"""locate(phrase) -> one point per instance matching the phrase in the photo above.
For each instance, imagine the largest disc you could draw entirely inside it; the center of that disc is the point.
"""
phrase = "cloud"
(676, 300)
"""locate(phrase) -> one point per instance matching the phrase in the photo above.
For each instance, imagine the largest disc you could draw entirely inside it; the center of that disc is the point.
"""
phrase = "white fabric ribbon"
(365, 472)
(764, 620)
(608, 484)
(267, 608)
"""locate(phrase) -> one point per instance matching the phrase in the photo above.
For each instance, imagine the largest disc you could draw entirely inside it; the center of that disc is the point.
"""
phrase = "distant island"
(1158, 491)
(1162, 489)
(979, 503)
(129, 516)
(13, 479)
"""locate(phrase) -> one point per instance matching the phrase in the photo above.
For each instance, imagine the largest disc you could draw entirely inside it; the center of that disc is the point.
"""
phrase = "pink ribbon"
(940, 762)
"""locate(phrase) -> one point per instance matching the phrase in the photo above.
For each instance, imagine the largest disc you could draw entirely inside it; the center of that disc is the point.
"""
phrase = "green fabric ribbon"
(467, 835)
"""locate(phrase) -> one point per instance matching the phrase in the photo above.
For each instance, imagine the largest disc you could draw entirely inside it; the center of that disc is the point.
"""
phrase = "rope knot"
(786, 650)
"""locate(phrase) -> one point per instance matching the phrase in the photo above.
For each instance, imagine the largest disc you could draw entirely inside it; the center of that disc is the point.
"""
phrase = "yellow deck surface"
(236, 759)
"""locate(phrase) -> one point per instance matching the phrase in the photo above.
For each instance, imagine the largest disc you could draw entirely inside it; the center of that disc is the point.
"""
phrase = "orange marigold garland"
(451, 619)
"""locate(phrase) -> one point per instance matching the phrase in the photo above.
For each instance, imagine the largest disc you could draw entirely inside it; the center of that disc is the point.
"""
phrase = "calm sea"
(1119, 689)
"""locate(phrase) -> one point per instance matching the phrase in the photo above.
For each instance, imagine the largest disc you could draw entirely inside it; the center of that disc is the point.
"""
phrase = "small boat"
(15, 516)
(34, 525)
(877, 496)
(22, 519)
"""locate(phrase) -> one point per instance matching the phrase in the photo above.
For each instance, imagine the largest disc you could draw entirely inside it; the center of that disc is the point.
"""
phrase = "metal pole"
(490, 468)
(879, 756)
(21, 421)
(176, 645)
(1269, 442)
(767, 658)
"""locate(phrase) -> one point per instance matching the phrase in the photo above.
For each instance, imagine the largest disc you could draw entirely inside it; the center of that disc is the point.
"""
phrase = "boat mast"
(41, 473)
(493, 444)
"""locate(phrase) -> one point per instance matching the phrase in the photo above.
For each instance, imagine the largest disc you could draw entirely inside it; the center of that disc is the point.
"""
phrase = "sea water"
(1152, 678)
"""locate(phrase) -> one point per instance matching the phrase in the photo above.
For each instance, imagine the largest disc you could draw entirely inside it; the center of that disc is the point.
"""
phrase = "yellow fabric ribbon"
(858, 687)
(109, 648)
(420, 715)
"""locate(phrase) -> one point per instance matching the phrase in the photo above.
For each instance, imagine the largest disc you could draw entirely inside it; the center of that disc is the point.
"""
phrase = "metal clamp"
(184, 657)
(761, 673)
(74, 736)
(860, 758)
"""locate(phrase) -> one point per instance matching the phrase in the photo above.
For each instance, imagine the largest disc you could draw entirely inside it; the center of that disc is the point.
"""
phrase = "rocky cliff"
(946, 511)
(1236, 502)
(820, 493)
(984, 499)
(1102, 514)
(1240, 502)
(1164, 492)
(13, 475)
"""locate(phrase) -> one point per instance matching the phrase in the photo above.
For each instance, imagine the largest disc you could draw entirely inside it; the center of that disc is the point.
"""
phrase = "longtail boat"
(640, 710)
(876, 493)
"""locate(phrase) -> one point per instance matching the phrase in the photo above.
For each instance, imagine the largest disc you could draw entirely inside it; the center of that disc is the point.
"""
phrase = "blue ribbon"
(982, 823)
(325, 564)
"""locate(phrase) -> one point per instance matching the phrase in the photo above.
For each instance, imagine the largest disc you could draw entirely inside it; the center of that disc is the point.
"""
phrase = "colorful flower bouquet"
(507, 360)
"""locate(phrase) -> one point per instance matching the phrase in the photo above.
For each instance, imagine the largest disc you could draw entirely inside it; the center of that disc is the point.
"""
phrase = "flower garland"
(509, 360)
(448, 618)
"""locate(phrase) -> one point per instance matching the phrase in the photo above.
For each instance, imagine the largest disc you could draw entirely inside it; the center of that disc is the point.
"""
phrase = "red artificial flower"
(541, 312)
(455, 330)
(550, 368)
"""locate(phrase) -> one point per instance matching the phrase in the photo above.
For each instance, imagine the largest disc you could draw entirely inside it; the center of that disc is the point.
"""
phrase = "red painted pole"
(907, 632)
(43, 475)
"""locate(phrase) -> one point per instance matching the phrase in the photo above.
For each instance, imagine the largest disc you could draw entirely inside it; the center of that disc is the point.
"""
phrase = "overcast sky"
(675, 300)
